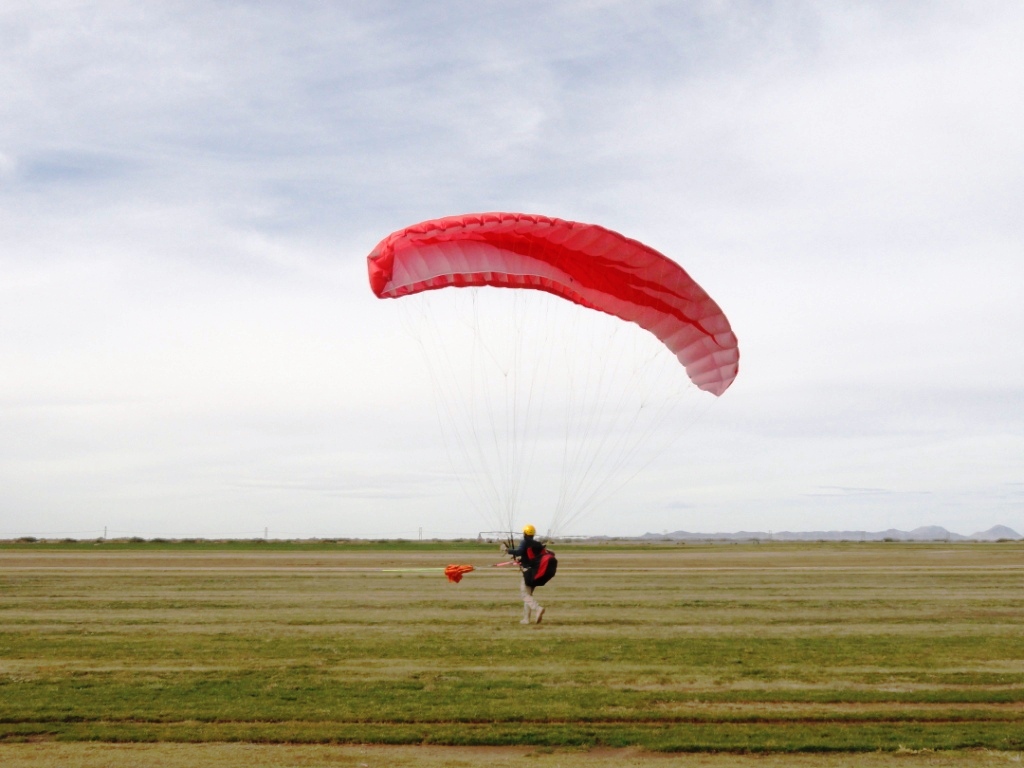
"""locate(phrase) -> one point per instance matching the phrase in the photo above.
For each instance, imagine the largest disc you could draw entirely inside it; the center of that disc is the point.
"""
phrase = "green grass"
(754, 648)
(137, 544)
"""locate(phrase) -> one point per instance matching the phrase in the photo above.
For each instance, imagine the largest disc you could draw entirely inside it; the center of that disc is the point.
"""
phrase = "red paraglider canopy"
(583, 263)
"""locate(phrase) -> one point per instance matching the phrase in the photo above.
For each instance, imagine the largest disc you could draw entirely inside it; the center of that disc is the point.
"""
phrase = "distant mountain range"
(924, 533)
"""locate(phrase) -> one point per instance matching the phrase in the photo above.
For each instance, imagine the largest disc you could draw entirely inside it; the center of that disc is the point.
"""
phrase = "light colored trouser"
(528, 599)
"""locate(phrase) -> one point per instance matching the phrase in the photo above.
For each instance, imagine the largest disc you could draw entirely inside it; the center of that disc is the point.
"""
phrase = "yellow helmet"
(529, 530)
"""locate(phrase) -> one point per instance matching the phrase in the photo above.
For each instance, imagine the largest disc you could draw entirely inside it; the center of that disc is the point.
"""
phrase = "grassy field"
(914, 652)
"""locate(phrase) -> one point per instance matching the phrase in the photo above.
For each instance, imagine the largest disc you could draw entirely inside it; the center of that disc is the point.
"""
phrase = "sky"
(189, 191)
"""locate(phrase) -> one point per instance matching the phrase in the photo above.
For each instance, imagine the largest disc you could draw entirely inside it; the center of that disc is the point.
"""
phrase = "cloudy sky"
(188, 192)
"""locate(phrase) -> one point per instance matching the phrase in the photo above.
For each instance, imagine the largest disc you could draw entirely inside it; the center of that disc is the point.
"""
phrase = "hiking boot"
(540, 614)
(526, 615)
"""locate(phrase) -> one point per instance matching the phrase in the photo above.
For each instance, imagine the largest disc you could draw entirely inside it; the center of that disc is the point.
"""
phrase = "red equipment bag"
(544, 571)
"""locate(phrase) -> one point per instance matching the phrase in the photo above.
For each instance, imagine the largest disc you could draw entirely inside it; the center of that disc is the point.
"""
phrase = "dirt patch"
(54, 755)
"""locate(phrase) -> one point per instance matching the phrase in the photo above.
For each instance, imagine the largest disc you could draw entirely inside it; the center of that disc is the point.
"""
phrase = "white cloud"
(189, 192)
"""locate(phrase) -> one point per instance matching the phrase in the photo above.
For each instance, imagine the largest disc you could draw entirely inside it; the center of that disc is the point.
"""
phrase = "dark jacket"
(539, 563)
(528, 552)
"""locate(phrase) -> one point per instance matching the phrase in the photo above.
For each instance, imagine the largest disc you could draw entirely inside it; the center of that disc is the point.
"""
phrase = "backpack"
(545, 569)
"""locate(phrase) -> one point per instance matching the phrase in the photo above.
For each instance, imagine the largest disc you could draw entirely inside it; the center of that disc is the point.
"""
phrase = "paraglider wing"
(583, 263)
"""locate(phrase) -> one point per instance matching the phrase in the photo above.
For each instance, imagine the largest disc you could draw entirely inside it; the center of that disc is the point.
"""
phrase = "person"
(538, 564)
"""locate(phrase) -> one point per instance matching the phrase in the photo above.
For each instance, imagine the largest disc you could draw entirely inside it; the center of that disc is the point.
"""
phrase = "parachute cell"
(582, 263)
